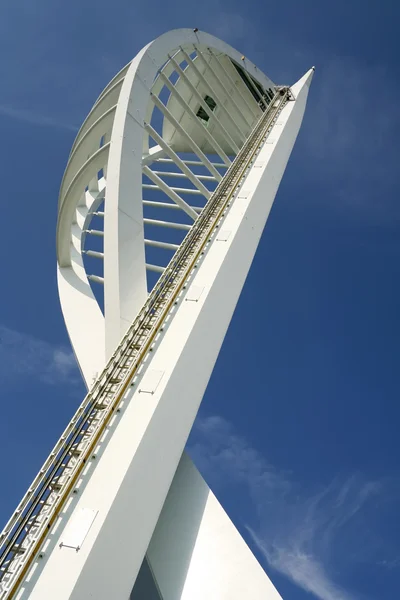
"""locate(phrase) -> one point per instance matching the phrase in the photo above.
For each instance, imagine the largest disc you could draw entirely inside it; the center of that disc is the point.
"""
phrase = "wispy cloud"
(23, 356)
(393, 563)
(303, 535)
(218, 446)
(32, 118)
(302, 568)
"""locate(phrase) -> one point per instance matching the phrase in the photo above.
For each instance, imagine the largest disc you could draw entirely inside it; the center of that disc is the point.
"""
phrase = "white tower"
(164, 199)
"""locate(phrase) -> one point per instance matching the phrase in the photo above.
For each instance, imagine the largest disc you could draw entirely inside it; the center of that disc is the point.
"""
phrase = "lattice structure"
(198, 108)
(156, 166)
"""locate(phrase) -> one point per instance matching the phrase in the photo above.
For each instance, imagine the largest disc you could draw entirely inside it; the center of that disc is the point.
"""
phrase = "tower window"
(210, 102)
(201, 113)
(245, 79)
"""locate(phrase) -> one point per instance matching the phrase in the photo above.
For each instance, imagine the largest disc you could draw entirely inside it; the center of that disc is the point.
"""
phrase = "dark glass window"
(201, 113)
(258, 86)
(247, 83)
(210, 102)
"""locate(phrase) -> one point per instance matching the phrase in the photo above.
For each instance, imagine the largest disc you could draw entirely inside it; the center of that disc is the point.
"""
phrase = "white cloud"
(302, 568)
(225, 451)
(390, 564)
(22, 356)
(33, 118)
(301, 535)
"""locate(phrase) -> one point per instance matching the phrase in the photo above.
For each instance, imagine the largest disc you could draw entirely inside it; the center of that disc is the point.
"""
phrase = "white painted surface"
(207, 555)
(136, 466)
(78, 528)
(223, 235)
(194, 293)
(150, 381)
(207, 558)
(119, 113)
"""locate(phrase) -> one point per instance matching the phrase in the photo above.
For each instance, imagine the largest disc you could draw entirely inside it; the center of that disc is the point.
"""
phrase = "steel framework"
(187, 108)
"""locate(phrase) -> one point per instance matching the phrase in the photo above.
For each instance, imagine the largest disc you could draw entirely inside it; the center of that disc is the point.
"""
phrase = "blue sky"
(298, 431)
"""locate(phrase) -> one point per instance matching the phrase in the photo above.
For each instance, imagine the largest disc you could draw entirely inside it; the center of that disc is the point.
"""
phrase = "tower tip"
(303, 82)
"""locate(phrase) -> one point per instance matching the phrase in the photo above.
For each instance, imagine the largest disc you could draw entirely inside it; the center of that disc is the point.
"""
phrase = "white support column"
(166, 224)
(195, 119)
(207, 558)
(168, 387)
(183, 175)
(164, 245)
(192, 162)
(154, 268)
(169, 205)
(94, 254)
(127, 499)
(170, 192)
(216, 96)
(96, 279)
(154, 154)
(167, 114)
(213, 118)
(178, 190)
(95, 232)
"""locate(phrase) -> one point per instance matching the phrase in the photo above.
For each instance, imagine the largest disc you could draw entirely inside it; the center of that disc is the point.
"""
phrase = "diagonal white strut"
(173, 157)
(170, 192)
(195, 120)
(252, 106)
(214, 93)
(205, 106)
(222, 87)
(169, 116)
